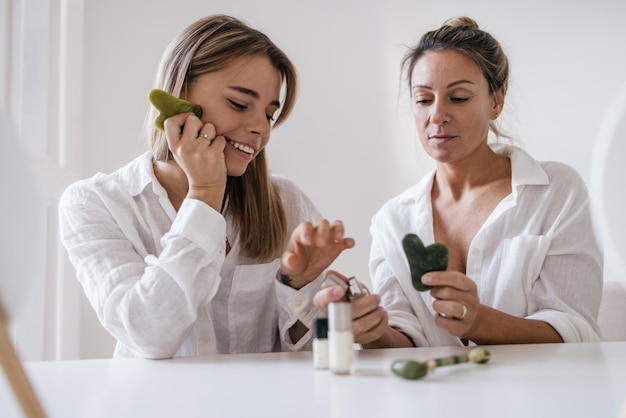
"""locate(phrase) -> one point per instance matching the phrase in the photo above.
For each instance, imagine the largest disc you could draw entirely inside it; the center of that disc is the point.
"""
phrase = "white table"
(546, 380)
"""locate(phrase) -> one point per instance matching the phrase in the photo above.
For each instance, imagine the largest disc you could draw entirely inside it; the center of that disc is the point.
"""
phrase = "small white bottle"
(320, 343)
(340, 338)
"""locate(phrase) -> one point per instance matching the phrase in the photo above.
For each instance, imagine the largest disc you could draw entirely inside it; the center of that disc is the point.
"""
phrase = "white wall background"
(349, 144)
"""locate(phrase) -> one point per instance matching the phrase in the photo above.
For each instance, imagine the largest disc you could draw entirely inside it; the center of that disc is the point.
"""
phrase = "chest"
(456, 224)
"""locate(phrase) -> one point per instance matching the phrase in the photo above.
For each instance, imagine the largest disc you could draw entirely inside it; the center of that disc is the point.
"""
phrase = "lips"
(440, 139)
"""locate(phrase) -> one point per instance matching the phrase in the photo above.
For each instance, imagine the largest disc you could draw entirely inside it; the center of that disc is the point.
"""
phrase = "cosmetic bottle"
(340, 338)
(320, 343)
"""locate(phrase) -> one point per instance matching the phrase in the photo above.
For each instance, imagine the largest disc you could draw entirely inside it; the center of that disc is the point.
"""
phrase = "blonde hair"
(462, 34)
(208, 45)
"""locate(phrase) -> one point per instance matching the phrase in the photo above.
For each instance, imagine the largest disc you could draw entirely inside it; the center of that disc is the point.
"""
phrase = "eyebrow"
(253, 94)
(454, 83)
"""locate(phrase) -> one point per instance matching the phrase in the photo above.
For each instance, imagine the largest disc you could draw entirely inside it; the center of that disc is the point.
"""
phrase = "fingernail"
(338, 291)
(426, 279)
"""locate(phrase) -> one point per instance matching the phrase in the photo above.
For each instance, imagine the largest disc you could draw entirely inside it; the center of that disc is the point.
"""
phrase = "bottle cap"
(340, 316)
(320, 328)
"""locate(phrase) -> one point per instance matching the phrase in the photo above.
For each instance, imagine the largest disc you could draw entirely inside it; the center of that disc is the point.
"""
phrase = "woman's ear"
(498, 102)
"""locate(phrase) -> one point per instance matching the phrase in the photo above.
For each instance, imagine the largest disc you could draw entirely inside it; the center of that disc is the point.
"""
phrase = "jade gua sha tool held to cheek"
(168, 106)
(423, 259)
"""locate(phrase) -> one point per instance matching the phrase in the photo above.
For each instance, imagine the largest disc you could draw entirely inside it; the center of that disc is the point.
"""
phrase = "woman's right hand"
(369, 319)
(199, 152)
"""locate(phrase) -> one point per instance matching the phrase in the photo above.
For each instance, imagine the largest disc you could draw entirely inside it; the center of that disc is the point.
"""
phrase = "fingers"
(337, 232)
(187, 126)
(451, 309)
(380, 322)
(328, 295)
(449, 279)
(369, 319)
(207, 132)
(456, 301)
(322, 234)
(312, 249)
(303, 234)
(178, 125)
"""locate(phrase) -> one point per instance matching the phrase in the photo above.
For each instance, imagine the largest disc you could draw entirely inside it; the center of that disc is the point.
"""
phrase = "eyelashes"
(458, 100)
(240, 107)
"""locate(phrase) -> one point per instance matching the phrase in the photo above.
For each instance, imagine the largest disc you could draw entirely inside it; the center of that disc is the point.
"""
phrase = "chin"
(236, 171)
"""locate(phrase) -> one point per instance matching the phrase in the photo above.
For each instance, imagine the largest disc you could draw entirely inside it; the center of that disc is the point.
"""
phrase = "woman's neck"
(475, 172)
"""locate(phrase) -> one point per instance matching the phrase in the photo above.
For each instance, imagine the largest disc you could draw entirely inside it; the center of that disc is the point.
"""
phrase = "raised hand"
(199, 152)
(311, 249)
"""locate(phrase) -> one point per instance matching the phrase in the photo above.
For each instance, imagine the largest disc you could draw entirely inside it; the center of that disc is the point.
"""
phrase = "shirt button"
(206, 339)
(297, 303)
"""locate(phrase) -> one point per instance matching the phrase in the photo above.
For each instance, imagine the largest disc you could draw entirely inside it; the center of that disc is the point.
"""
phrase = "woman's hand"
(456, 301)
(369, 319)
(199, 152)
(311, 249)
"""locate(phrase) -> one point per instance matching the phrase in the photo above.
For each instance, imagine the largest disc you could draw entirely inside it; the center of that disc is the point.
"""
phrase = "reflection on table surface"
(543, 380)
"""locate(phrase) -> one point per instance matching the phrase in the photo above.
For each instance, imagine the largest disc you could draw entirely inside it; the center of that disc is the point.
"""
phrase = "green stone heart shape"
(168, 106)
(423, 259)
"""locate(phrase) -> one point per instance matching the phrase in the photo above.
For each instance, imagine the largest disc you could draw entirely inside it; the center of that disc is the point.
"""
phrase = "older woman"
(524, 265)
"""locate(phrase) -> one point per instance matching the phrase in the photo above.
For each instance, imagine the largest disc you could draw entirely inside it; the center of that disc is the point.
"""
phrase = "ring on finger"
(207, 137)
(462, 316)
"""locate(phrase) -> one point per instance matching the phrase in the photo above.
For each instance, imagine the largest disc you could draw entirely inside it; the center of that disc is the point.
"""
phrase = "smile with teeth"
(242, 147)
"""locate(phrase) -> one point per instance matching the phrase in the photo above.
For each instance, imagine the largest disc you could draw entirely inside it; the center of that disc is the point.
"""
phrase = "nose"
(259, 124)
(439, 114)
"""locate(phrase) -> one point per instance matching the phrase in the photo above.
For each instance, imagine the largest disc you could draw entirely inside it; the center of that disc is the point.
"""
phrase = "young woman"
(524, 265)
(194, 248)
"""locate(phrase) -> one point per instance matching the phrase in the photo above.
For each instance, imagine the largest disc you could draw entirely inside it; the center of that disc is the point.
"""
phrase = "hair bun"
(461, 22)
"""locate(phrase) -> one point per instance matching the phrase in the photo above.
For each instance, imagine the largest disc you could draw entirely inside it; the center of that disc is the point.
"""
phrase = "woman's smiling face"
(451, 105)
(240, 102)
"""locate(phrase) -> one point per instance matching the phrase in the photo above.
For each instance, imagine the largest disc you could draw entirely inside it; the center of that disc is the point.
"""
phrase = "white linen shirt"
(159, 280)
(536, 255)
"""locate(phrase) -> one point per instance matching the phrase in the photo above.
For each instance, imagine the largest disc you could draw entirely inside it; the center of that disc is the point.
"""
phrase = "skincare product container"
(340, 338)
(320, 343)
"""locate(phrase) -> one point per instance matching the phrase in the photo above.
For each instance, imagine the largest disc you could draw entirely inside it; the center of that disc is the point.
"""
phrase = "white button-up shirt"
(160, 281)
(536, 256)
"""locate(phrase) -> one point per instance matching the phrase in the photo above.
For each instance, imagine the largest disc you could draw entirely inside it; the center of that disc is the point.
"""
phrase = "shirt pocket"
(520, 265)
(252, 308)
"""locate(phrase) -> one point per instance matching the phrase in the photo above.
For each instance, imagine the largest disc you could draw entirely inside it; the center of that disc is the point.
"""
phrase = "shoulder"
(562, 175)
(296, 202)
(553, 185)
(543, 176)
(125, 181)
(84, 190)
(415, 196)
(284, 185)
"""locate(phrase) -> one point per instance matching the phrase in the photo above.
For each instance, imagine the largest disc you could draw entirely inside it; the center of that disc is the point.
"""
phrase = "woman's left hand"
(311, 249)
(456, 301)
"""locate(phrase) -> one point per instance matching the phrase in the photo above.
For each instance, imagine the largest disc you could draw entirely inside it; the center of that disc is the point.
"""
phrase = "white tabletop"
(544, 380)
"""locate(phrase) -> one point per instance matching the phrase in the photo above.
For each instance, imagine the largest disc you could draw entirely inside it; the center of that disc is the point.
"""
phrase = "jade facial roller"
(410, 369)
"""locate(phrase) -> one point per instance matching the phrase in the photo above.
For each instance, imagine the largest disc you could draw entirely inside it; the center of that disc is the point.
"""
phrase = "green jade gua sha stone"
(411, 369)
(168, 106)
(423, 259)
